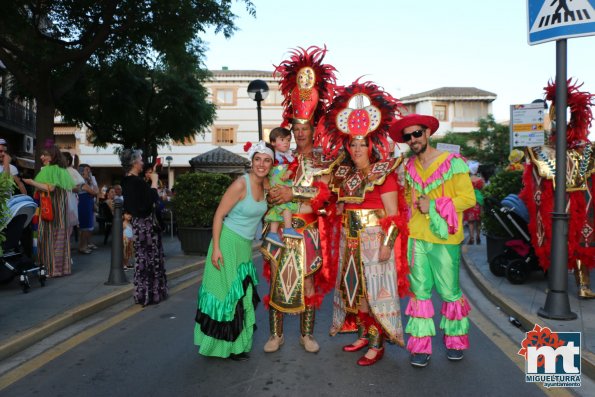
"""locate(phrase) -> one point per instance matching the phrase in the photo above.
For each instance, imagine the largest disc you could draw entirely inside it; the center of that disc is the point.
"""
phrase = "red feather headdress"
(362, 110)
(580, 103)
(307, 85)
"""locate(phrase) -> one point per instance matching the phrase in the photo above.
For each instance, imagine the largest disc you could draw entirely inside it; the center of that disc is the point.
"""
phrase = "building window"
(440, 112)
(224, 135)
(275, 98)
(189, 140)
(224, 96)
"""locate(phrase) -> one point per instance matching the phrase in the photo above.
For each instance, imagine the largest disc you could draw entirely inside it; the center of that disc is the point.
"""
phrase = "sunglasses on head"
(415, 134)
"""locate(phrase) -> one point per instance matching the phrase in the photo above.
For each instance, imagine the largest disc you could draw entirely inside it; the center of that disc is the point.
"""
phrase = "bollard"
(116, 273)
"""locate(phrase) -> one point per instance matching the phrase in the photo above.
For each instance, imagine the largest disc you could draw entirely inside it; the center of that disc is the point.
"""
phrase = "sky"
(407, 46)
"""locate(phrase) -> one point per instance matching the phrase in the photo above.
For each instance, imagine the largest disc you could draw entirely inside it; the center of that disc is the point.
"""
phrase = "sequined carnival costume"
(307, 84)
(374, 218)
(538, 189)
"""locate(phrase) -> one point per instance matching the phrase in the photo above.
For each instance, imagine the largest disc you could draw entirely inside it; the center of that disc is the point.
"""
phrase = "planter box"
(495, 246)
(195, 240)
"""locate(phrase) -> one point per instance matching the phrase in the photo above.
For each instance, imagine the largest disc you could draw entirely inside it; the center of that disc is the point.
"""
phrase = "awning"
(65, 129)
(24, 162)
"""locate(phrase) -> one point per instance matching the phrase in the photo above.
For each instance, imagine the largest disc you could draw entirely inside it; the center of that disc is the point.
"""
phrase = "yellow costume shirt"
(447, 184)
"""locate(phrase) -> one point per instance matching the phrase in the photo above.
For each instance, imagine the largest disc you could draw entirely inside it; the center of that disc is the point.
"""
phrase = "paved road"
(150, 353)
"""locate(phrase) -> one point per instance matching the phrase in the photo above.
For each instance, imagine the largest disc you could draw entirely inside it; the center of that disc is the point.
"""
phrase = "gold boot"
(583, 281)
(307, 328)
(276, 325)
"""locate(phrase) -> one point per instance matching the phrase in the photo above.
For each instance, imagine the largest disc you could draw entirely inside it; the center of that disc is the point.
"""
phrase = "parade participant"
(438, 190)
(225, 318)
(473, 215)
(285, 165)
(515, 159)
(538, 189)
(374, 213)
(298, 286)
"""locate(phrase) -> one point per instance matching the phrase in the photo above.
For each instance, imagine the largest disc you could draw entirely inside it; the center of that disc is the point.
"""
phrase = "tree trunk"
(44, 128)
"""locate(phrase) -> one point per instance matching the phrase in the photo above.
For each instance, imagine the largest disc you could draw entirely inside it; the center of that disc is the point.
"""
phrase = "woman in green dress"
(227, 298)
(53, 242)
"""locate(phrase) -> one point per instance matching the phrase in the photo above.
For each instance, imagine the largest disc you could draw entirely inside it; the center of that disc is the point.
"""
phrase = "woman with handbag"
(53, 183)
(150, 281)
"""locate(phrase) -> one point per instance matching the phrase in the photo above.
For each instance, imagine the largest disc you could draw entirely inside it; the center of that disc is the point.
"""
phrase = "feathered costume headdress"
(307, 85)
(360, 110)
(580, 103)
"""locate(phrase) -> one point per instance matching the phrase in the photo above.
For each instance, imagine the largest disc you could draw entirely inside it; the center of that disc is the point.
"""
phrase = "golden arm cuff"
(391, 236)
(303, 193)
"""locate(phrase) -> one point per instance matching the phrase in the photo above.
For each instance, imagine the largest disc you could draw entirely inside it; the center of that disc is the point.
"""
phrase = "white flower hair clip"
(260, 147)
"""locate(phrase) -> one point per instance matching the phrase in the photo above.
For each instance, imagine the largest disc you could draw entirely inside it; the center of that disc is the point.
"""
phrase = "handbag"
(45, 202)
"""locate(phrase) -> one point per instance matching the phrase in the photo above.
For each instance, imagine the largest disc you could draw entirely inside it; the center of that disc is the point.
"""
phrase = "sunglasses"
(415, 134)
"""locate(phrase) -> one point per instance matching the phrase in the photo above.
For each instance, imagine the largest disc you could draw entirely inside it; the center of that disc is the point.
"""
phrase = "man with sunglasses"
(438, 190)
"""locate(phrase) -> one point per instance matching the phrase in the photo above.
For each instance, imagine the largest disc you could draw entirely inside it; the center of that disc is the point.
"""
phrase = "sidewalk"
(523, 301)
(28, 318)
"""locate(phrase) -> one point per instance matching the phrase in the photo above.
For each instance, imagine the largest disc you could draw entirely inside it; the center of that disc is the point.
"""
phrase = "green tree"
(137, 106)
(489, 144)
(46, 45)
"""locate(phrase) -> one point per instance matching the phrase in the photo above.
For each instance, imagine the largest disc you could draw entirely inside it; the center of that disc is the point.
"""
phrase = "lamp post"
(169, 159)
(170, 183)
(258, 90)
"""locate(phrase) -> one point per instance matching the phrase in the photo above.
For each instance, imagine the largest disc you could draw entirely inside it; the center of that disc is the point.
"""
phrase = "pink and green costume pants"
(436, 265)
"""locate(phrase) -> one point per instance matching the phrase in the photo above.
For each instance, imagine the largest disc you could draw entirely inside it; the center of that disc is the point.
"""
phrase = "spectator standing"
(5, 164)
(72, 204)
(140, 198)
(53, 242)
(86, 207)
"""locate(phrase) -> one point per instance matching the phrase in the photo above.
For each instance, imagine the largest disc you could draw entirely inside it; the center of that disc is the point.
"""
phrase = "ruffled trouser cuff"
(455, 323)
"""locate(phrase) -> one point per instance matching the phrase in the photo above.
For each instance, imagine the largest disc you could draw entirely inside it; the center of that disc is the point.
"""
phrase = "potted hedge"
(501, 185)
(196, 198)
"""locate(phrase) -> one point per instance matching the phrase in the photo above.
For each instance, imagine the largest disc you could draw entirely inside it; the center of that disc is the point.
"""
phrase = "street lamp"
(258, 90)
(169, 159)
(170, 178)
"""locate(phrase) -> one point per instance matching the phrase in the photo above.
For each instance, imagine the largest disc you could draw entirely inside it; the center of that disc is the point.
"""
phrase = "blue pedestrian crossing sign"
(560, 19)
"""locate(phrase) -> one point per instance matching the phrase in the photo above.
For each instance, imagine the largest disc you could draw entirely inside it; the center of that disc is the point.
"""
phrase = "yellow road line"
(56, 351)
(509, 349)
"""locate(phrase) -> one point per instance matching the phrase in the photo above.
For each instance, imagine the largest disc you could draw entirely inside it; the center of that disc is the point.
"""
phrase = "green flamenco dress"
(227, 298)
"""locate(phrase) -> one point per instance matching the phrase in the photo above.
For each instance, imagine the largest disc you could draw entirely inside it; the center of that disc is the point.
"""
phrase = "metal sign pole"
(557, 305)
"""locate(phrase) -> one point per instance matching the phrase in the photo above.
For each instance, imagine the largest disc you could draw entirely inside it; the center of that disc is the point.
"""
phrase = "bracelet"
(391, 236)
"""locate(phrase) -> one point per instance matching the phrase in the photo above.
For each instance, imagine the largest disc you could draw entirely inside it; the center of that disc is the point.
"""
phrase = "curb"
(71, 316)
(511, 308)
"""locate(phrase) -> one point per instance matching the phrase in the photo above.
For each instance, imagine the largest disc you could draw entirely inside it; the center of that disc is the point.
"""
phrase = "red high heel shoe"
(365, 361)
(356, 347)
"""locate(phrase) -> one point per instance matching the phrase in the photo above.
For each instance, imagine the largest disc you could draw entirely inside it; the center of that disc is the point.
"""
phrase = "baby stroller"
(13, 263)
(518, 258)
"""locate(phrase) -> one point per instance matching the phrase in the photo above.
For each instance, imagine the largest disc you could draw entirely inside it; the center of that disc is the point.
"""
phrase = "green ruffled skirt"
(227, 299)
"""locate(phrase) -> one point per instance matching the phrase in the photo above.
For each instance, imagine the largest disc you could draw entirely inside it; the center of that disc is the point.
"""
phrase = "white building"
(236, 123)
(457, 108)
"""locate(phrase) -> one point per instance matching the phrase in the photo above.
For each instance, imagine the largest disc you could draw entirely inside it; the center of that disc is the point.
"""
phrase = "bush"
(197, 196)
(500, 186)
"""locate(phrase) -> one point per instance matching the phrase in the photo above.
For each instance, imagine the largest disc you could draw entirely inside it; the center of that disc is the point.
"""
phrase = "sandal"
(86, 252)
(471, 241)
(92, 246)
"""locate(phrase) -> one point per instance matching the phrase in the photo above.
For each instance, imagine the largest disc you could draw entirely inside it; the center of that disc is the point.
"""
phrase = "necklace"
(582, 169)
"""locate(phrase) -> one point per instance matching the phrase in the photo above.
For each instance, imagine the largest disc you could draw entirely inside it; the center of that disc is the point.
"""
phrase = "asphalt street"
(150, 352)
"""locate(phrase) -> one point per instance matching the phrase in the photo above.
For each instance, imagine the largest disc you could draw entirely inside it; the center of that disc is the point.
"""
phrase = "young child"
(284, 169)
(127, 236)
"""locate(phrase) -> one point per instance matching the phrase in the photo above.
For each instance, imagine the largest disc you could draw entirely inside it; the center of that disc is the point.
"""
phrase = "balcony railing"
(15, 116)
